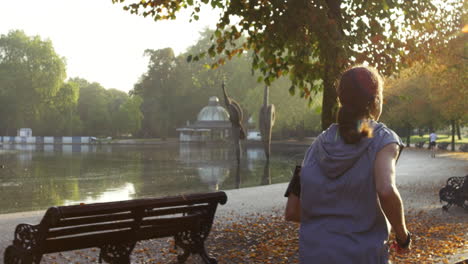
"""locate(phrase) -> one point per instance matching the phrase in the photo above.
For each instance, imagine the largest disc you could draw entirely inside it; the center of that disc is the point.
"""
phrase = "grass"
(440, 139)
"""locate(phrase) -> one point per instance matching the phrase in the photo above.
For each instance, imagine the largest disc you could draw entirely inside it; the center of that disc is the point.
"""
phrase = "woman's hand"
(402, 244)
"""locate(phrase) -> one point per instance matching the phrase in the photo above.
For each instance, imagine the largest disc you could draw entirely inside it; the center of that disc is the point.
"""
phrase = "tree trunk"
(335, 58)
(329, 101)
(408, 136)
(458, 130)
(453, 135)
(300, 131)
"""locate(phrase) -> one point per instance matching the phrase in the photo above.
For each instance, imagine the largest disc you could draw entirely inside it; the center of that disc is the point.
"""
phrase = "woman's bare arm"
(390, 200)
(293, 208)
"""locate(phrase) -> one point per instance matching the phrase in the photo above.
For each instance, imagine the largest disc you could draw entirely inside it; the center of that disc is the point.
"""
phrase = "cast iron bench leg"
(116, 253)
(14, 255)
(205, 256)
(183, 257)
(192, 243)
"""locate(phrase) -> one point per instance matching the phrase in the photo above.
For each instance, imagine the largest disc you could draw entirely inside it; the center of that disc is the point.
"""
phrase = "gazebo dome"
(213, 111)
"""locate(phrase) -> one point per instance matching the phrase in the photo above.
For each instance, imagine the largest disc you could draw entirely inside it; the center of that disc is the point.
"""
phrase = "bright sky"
(100, 41)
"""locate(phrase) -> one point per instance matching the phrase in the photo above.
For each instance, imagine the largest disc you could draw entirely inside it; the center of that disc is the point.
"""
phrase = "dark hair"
(359, 92)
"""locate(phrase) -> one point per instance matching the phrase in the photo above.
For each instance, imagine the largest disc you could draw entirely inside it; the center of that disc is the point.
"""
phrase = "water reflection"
(266, 179)
(38, 176)
(51, 148)
(253, 156)
(236, 175)
(213, 175)
(124, 192)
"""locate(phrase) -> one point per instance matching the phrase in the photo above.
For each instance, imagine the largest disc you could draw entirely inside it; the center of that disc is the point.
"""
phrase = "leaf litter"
(267, 238)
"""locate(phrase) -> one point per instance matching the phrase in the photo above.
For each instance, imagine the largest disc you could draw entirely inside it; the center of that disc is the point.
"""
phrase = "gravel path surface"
(419, 177)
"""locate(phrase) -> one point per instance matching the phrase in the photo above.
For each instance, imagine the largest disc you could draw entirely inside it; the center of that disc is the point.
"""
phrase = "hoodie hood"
(335, 157)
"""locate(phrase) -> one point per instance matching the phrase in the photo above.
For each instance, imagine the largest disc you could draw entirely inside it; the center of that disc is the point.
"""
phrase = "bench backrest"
(420, 144)
(93, 225)
(443, 145)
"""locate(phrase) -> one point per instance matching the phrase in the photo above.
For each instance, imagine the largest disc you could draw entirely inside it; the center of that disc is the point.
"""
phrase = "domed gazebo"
(212, 124)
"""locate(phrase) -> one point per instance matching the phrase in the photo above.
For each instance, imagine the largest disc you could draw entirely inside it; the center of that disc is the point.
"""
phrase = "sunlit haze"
(100, 41)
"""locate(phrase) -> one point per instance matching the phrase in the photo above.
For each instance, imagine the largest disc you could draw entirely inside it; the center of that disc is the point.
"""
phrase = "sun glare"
(465, 29)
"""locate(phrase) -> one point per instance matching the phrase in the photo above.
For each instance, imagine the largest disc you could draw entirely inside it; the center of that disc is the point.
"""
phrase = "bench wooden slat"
(87, 241)
(127, 215)
(115, 237)
(118, 225)
(177, 210)
(161, 222)
(89, 228)
(94, 219)
(123, 206)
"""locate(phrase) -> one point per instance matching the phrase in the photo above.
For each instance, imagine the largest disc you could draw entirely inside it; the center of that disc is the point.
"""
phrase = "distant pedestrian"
(432, 143)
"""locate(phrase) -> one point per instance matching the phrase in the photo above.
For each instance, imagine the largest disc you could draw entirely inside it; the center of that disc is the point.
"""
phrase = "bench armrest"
(26, 236)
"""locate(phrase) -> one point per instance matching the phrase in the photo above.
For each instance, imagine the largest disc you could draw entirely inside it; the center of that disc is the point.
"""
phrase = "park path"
(419, 177)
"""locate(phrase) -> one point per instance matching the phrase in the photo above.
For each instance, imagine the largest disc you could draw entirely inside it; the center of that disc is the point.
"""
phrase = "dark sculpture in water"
(266, 121)
(236, 118)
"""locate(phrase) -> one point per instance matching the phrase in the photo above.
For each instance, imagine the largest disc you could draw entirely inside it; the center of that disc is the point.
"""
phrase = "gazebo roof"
(213, 111)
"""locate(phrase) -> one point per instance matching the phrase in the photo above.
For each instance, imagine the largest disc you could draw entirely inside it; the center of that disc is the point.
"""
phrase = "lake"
(34, 177)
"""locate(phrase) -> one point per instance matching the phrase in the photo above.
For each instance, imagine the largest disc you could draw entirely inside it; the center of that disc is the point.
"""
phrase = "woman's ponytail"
(359, 92)
(351, 126)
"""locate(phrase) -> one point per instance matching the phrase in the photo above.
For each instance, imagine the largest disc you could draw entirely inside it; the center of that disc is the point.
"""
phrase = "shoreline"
(172, 141)
(140, 141)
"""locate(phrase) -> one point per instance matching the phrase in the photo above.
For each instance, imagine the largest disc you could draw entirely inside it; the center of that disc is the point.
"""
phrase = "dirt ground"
(250, 228)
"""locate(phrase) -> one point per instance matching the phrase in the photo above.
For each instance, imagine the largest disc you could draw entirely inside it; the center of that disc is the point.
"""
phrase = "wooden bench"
(115, 227)
(420, 144)
(455, 192)
(443, 145)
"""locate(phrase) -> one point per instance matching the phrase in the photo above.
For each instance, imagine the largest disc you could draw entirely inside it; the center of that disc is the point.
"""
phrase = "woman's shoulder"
(326, 136)
(385, 135)
(382, 130)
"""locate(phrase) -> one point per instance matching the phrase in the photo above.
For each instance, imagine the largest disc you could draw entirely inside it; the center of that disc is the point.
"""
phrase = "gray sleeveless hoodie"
(341, 218)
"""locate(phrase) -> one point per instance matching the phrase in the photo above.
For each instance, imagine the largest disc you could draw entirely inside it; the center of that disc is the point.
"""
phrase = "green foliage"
(431, 94)
(33, 94)
(31, 73)
(107, 112)
(129, 116)
(316, 40)
(158, 89)
(60, 117)
(93, 109)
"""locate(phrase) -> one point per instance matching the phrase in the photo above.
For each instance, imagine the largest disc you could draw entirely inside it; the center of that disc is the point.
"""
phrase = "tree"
(115, 100)
(449, 78)
(129, 115)
(60, 116)
(157, 89)
(31, 74)
(408, 102)
(317, 40)
(93, 108)
(431, 94)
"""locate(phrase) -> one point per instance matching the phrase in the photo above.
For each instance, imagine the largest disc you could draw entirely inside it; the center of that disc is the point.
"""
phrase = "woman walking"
(348, 189)
(432, 143)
